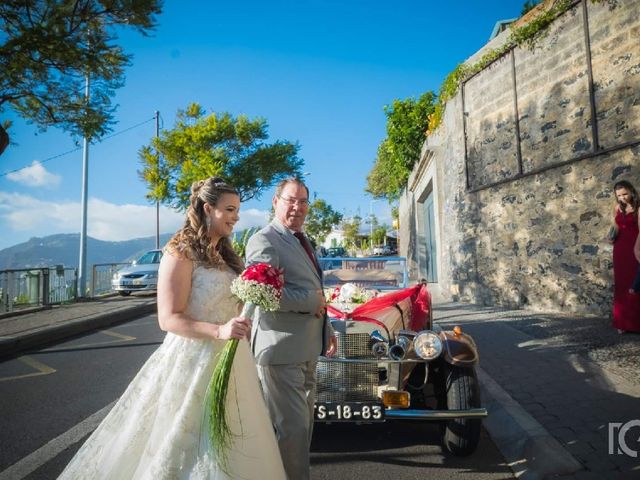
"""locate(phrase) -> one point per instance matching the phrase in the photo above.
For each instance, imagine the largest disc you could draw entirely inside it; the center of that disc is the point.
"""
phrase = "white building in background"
(334, 239)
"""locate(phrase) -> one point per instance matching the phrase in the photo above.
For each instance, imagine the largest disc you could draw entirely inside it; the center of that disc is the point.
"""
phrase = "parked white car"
(141, 275)
(382, 250)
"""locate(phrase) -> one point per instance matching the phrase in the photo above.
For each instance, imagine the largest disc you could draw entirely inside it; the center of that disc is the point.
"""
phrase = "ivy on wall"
(409, 120)
(528, 34)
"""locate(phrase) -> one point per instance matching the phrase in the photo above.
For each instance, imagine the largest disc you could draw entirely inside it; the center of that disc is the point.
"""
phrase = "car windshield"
(150, 257)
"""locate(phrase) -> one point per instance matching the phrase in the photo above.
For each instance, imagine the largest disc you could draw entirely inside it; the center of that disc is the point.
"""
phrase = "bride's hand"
(237, 327)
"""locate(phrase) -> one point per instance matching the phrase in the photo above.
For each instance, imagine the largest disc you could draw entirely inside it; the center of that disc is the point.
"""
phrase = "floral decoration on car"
(349, 293)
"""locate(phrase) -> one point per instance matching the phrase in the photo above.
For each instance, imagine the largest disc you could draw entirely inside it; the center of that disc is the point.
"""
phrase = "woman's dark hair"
(635, 200)
(192, 240)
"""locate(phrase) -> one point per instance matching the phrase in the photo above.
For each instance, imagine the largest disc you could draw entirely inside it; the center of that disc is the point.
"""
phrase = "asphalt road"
(52, 399)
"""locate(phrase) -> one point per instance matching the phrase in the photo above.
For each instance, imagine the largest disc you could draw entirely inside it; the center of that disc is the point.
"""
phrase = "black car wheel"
(461, 436)
(124, 293)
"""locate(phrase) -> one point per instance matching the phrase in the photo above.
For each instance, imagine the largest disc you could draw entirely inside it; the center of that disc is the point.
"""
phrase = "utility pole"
(82, 267)
(158, 167)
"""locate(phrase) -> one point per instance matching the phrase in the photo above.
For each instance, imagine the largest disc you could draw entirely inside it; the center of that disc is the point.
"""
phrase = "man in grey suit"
(286, 343)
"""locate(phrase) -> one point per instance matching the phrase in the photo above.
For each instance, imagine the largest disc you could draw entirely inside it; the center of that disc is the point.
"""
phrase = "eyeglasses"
(303, 202)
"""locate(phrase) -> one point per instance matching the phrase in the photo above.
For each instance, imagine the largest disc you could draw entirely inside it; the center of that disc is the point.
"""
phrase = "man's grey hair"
(288, 180)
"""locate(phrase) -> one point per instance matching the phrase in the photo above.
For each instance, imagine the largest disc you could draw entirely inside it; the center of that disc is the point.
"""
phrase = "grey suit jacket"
(292, 334)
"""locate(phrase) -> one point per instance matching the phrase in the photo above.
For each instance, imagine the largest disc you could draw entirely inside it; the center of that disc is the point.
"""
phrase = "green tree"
(320, 220)
(201, 145)
(47, 47)
(385, 180)
(351, 228)
(239, 242)
(407, 122)
(379, 235)
(395, 213)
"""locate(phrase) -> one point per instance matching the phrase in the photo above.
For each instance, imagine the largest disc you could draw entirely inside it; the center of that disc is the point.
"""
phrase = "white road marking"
(118, 335)
(121, 338)
(41, 368)
(54, 447)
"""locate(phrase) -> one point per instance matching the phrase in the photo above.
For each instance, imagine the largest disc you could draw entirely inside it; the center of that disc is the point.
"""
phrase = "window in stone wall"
(429, 251)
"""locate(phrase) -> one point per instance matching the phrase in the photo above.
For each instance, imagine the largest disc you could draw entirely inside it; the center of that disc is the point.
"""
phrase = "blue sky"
(320, 72)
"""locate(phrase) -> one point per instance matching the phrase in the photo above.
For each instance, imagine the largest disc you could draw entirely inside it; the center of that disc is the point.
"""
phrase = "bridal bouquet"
(259, 285)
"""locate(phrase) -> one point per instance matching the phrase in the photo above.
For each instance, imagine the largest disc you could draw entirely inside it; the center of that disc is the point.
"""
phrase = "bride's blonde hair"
(192, 240)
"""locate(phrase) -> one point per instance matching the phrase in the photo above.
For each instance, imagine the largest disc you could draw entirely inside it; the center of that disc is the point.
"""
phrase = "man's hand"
(333, 346)
(322, 308)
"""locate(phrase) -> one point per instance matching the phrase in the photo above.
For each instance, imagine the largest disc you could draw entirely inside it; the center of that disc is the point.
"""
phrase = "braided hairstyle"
(192, 240)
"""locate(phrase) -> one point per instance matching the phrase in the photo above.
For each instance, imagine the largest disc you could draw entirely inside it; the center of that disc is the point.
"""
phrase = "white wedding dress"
(157, 430)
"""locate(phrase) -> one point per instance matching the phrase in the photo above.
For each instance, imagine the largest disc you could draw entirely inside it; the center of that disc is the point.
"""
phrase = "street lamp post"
(158, 167)
(82, 262)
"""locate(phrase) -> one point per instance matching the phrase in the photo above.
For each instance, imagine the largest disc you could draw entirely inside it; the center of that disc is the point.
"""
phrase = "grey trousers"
(289, 392)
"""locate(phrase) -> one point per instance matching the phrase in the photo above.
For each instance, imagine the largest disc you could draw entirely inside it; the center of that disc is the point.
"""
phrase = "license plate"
(348, 412)
(137, 282)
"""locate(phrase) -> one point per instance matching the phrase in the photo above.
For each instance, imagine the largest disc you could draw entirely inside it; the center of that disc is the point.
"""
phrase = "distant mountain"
(64, 249)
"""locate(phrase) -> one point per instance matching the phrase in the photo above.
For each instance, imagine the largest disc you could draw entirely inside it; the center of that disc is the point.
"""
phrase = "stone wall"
(527, 229)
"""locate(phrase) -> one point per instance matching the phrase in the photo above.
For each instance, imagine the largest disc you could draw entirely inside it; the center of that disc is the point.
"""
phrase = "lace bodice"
(211, 299)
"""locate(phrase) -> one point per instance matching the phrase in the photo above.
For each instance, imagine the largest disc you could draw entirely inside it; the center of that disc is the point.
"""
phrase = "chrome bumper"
(436, 414)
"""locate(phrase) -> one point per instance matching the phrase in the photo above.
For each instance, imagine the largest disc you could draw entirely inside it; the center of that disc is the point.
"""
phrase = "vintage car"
(393, 362)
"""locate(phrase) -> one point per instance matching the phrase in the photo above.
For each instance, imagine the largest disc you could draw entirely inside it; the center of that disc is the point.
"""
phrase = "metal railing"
(33, 287)
(101, 275)
(63, 284)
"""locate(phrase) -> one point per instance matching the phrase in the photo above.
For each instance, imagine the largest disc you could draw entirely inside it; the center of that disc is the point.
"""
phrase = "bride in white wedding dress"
(158, 428)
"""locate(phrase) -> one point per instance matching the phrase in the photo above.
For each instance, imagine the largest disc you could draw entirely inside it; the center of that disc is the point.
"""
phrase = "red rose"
(265, 274)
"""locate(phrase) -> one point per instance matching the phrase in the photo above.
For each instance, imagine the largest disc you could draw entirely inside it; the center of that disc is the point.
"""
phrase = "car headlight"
(152, 274)
(116, 276)
(427, 345)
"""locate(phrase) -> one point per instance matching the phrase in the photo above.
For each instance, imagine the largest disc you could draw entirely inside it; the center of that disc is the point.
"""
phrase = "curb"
(25, 311)
(530, 450)
(13, 344)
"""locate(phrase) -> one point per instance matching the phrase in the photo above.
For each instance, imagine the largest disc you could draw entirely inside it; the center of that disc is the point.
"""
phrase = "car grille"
(133, 275)
(354, 345)
(348, 382)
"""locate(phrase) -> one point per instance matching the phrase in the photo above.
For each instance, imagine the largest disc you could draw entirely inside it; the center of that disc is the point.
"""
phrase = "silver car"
(141, 275)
